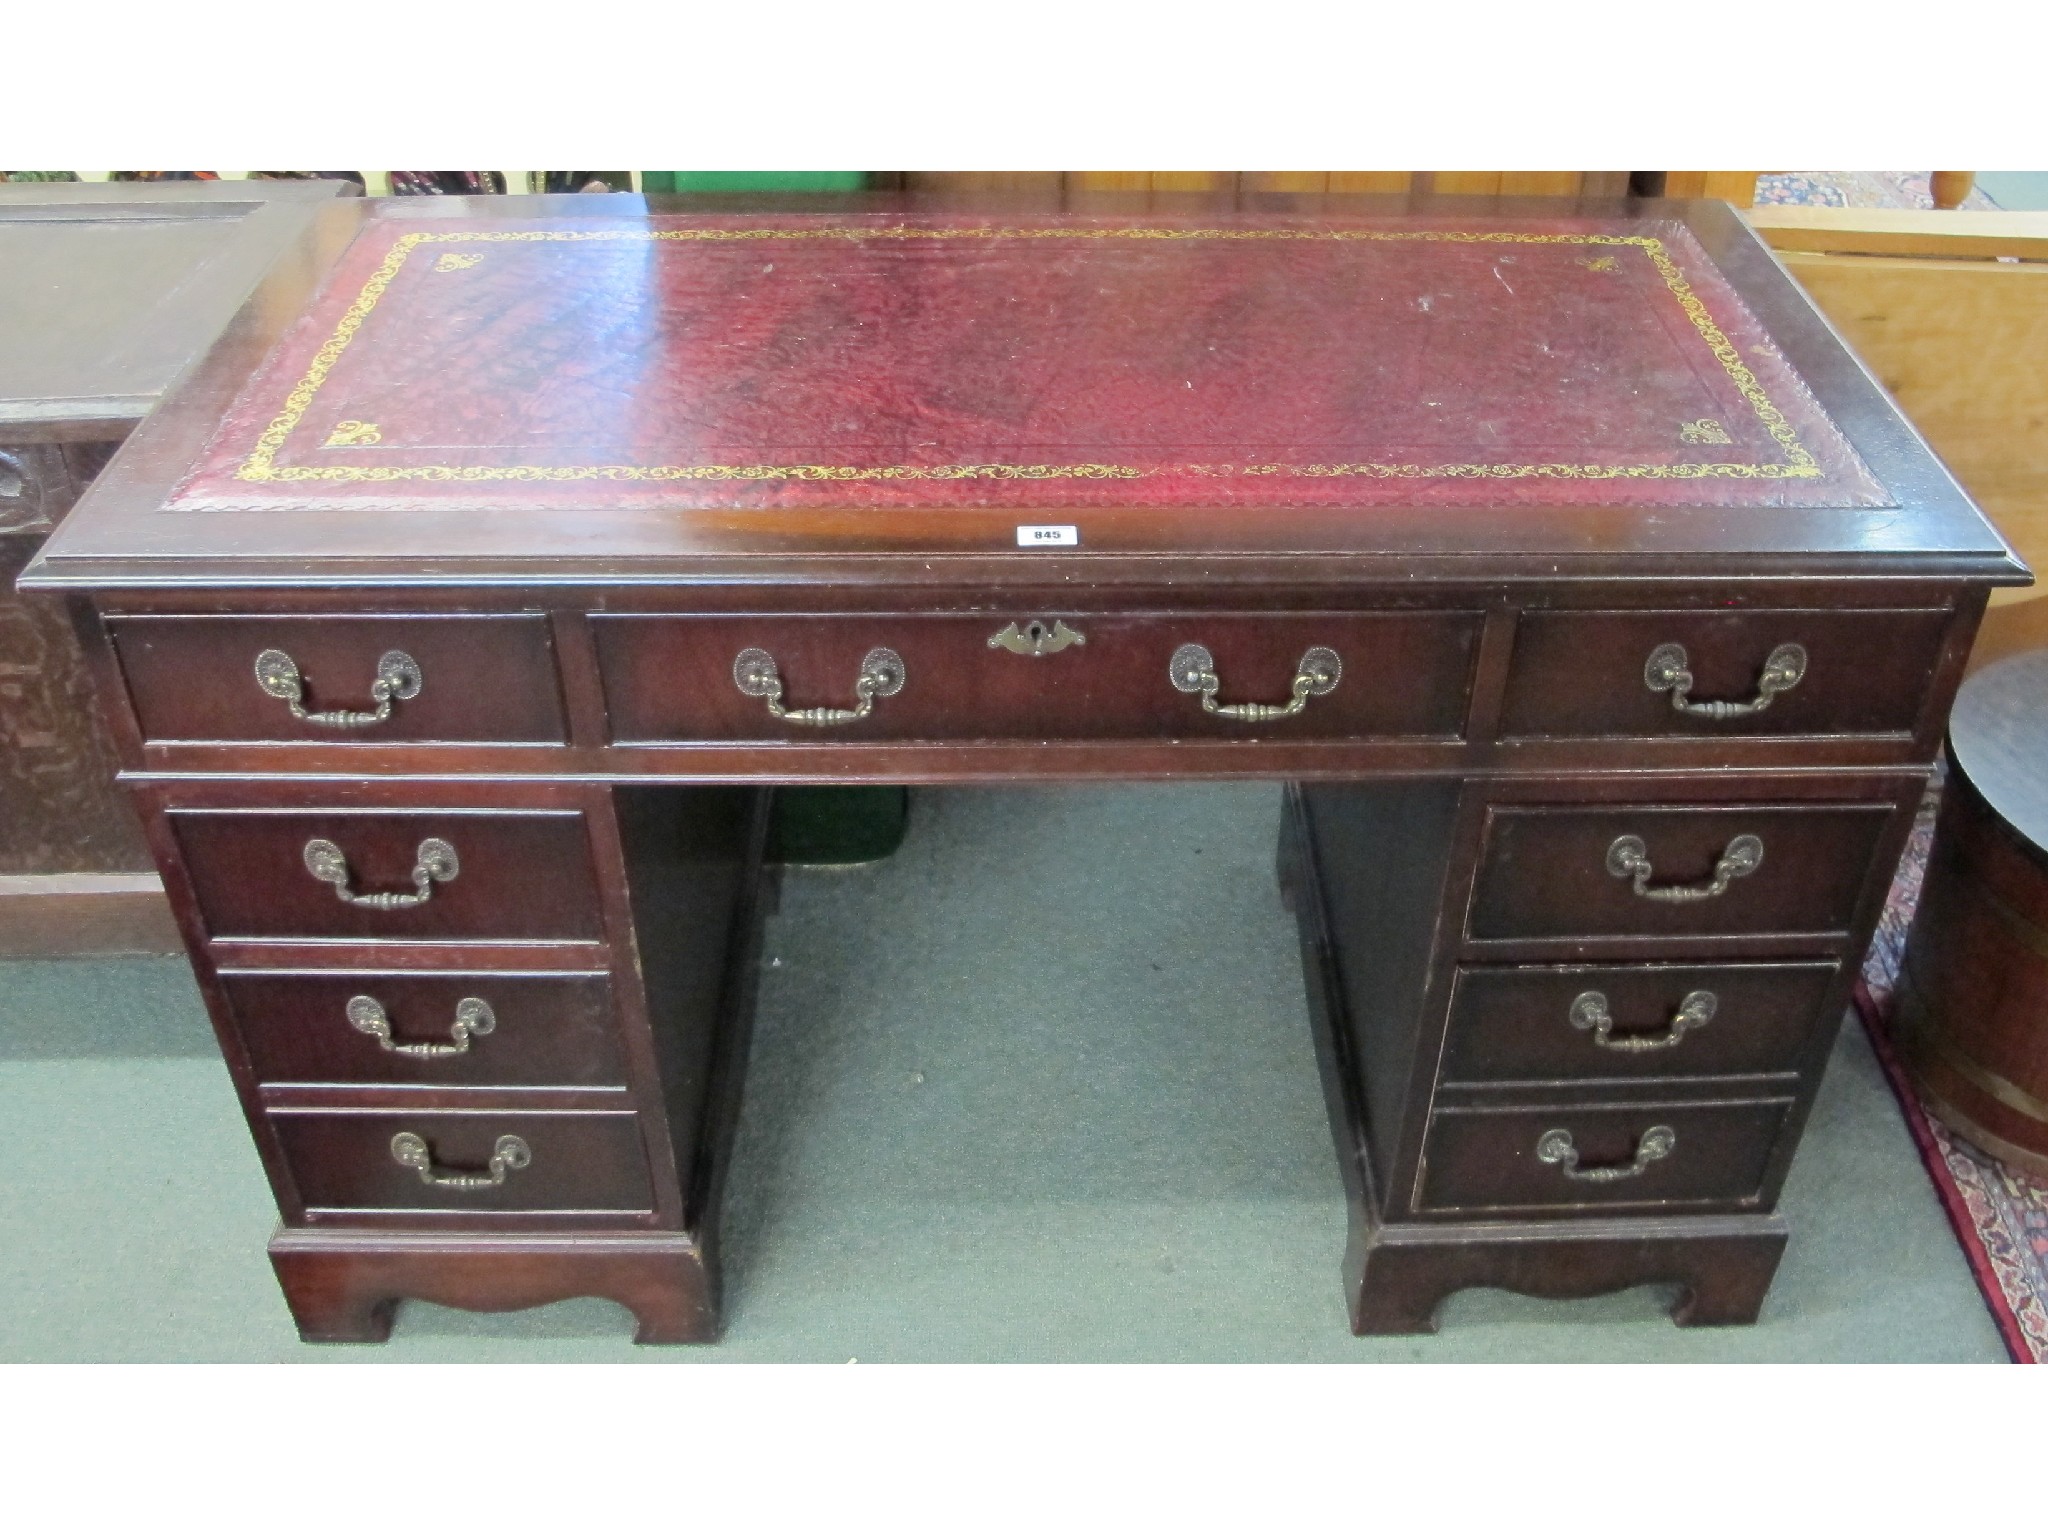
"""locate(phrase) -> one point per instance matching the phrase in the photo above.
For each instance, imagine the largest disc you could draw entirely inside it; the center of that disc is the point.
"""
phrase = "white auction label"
(1039, 535)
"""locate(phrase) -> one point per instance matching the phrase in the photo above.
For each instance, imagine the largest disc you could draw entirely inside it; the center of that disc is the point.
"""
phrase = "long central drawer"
(964, 677)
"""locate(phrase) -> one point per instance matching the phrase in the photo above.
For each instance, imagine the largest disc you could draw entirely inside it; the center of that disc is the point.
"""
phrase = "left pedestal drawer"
(408, 875)
(340, 678)
(453, 1029)
(465, 1161)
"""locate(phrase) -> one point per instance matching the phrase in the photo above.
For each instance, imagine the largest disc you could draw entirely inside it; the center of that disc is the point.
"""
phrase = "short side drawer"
(1579, 1157)
(474, 677)
(350, 1160)
(1561, 1023)
(1562, 872)
(430, 1028)
(518, 874)
(1861, 672)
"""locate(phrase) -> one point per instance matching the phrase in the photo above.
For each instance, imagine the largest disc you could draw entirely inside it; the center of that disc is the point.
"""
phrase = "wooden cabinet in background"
(1950, 311)
(107, 292)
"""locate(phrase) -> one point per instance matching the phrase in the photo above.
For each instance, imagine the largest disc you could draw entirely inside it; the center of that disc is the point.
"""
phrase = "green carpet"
(1039, 1087)
(2015, 190)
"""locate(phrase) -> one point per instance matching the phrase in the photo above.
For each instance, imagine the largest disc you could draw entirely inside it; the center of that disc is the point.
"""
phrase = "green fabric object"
(753, 181)
(837, 823)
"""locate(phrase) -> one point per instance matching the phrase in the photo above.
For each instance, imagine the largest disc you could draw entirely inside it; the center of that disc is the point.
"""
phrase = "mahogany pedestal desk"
(1597, 611)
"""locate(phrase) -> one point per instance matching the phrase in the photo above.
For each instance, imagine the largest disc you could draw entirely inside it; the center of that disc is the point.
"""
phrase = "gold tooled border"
(261, 465)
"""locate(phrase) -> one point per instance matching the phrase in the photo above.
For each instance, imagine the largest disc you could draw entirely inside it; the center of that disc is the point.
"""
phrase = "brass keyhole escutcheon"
(1036, 638)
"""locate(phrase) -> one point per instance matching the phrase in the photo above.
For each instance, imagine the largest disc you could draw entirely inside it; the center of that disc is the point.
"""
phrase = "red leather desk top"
(862, 360)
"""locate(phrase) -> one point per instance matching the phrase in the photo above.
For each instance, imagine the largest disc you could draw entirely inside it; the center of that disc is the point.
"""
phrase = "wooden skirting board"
(54, 915)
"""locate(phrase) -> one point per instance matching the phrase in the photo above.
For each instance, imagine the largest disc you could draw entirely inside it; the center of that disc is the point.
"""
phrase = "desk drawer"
(457, 874)
(346, 1160)
(465, 678)
(1563, 1023)
(1613, 872)
(1575, 1157)
(1617, 674)
(676, 678)
(440, 1029)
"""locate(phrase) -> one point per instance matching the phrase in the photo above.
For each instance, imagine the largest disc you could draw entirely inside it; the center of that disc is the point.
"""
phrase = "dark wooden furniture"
(1598, 611)
(107, 292)
(1971, 1014)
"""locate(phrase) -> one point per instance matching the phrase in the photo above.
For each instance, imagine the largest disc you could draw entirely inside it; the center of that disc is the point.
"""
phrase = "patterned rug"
(2000, 1214)
(1855, 189)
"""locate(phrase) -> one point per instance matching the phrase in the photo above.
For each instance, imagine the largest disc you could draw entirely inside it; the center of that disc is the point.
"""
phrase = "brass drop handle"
(1653, 1145)
(1193, 670)
(473, 1017)
(1589, 1011)
(435, 861)
(881, 675)
(398, 677)
(1668, 671)
(1628, 859)
(507, 1157)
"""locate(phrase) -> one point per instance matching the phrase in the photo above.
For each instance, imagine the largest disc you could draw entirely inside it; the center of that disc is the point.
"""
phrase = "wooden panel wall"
(1737, 187)
(1481, 183)
(1950, 310)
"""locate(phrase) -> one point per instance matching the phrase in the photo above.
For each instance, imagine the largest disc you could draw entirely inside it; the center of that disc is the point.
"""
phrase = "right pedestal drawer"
(1709, 672)
(1573, 1023)
(1661, 871)
(1568, 1157)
